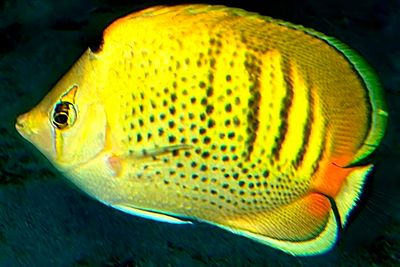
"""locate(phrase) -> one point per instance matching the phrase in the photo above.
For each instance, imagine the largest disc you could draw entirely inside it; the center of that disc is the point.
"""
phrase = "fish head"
(68, 126)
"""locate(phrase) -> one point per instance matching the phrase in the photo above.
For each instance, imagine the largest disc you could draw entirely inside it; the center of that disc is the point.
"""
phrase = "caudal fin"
(351, 190)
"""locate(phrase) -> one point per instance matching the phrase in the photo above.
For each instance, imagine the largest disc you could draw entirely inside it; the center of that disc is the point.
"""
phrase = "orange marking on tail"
(343, 160)
(330, 177)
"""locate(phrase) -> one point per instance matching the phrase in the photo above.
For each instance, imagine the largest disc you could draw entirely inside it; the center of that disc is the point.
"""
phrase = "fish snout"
(22, 125)
(33, 126)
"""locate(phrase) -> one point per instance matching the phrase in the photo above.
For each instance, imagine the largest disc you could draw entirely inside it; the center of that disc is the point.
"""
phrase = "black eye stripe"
(62, 107)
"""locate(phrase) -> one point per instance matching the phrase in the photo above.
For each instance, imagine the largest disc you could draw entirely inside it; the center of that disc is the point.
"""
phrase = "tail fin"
(351, 190)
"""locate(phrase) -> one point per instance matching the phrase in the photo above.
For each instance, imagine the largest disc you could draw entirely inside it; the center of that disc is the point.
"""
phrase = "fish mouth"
(22, 127)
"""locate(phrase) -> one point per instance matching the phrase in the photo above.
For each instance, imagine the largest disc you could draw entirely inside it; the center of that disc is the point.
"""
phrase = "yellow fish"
(215, 114)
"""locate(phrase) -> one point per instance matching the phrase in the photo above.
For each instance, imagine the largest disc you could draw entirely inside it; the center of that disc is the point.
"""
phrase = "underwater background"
(45, 221)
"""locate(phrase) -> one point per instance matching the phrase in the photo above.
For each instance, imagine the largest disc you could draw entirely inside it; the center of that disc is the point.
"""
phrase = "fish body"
(216, 114)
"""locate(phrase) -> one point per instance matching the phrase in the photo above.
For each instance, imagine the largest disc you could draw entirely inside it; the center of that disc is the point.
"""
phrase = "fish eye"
(64, 115)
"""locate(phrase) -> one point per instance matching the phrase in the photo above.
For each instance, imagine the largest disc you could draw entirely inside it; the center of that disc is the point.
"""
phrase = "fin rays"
(308, 226)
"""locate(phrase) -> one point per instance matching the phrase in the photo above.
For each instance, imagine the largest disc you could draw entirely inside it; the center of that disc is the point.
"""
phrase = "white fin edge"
(318, 245)
(351, 190)
(152, 215)
(345, 201)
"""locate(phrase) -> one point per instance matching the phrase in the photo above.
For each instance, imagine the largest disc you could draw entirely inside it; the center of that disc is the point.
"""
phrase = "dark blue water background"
(44, 221)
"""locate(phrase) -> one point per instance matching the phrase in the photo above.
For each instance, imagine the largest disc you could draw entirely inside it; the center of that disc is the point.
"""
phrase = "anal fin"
(307, 226)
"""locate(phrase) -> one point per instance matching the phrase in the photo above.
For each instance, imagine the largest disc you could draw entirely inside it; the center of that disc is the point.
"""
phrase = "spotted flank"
(214, 114)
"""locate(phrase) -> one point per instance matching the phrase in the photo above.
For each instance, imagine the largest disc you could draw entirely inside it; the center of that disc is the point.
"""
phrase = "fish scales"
(220, 115)
(236, 90)
(197, 132)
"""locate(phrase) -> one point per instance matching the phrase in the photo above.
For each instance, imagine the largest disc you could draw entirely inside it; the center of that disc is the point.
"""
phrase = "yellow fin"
(305, 227)
(147, 214)
(349, 194)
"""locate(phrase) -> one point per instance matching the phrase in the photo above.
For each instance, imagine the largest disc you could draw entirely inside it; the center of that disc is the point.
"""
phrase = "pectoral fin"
(158, 151)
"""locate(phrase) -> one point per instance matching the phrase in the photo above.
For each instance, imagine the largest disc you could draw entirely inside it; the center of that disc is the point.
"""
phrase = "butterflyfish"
(214, 114)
